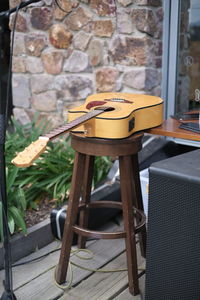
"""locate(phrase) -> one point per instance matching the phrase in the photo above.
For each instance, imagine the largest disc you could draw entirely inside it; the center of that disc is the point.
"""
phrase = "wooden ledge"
(170, 127)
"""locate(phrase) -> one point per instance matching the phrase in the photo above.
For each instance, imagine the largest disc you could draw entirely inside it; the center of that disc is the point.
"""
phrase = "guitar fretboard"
(75, 123)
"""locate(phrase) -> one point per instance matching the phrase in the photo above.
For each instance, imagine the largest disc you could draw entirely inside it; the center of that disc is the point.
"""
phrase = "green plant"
(49, 176)
(16, 201)
(16, 139)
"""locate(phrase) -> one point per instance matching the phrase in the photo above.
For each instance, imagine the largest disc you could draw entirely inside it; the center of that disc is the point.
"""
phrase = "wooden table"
(170, 127)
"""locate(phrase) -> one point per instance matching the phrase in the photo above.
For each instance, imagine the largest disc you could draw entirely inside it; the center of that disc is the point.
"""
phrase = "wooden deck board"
(125, 295)
(103, 286)
(102, 256)
(35, 280)
(28, 272)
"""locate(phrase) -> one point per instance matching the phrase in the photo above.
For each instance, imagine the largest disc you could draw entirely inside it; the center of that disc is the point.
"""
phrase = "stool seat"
(106, 147)
(126, 150)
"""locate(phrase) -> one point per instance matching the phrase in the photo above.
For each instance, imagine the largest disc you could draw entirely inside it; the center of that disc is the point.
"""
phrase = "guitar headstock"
(30, 153)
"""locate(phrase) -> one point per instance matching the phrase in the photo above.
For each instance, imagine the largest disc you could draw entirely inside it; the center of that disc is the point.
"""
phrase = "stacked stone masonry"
(62, 56)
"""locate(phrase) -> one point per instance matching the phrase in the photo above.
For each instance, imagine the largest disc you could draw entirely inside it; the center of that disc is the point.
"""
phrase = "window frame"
(171, 25)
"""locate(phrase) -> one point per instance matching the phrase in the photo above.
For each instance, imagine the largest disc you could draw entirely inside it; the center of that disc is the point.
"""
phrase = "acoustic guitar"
(104, 115)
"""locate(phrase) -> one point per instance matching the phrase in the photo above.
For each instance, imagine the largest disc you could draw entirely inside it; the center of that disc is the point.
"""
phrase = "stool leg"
(127, 193)
(86, 191)
(72, 211)
(139, 201)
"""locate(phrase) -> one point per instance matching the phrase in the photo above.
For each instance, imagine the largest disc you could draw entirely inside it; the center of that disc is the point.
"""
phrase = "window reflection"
(188, 77)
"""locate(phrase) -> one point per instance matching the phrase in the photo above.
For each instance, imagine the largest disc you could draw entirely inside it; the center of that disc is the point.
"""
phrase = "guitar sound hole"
(105, 108)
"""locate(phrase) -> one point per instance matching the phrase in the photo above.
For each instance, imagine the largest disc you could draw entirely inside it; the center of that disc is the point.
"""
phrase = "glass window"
(188, 68)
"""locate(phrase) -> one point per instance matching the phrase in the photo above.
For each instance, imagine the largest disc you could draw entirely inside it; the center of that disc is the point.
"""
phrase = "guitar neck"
(73, 124)
(26, 157)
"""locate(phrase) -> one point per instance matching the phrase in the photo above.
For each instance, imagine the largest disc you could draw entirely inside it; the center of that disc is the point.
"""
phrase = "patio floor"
(35, 280)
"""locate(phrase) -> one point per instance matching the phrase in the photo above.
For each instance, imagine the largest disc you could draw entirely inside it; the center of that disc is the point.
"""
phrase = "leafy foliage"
(49, 176)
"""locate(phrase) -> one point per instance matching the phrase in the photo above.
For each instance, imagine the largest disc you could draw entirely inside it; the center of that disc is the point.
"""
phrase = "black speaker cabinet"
(173, 245)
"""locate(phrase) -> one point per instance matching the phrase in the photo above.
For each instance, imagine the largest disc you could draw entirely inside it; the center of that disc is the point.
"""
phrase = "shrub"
(49, 176)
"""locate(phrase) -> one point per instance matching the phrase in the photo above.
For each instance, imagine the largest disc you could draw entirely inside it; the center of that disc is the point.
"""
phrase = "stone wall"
(62, 56)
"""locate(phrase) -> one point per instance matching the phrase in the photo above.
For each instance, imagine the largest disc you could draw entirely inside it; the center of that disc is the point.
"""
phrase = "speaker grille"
(173, 245)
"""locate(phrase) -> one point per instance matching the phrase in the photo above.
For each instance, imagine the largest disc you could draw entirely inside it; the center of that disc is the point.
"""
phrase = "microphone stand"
(8, 293)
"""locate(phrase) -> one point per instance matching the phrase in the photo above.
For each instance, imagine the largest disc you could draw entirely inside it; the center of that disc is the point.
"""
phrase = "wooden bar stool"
(134, 220)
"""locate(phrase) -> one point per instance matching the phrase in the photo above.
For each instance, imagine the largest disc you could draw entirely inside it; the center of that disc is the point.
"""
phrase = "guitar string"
(60, 130)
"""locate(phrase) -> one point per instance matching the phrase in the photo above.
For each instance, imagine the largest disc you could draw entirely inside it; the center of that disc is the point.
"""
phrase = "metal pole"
(8, 292)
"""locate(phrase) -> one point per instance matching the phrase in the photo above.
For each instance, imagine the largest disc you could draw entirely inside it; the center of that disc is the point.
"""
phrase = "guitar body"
(106, 115)
(127, 113)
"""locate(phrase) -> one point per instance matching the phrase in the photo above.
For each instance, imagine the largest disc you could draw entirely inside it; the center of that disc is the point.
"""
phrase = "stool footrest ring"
(109, 235)
(98, 234)
(102, 203)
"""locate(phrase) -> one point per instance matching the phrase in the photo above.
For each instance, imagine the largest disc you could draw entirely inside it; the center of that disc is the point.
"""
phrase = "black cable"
(60, 7)
(45, 255)
(4, 213)
(8, 94)
(35, 259)
(5, 220)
